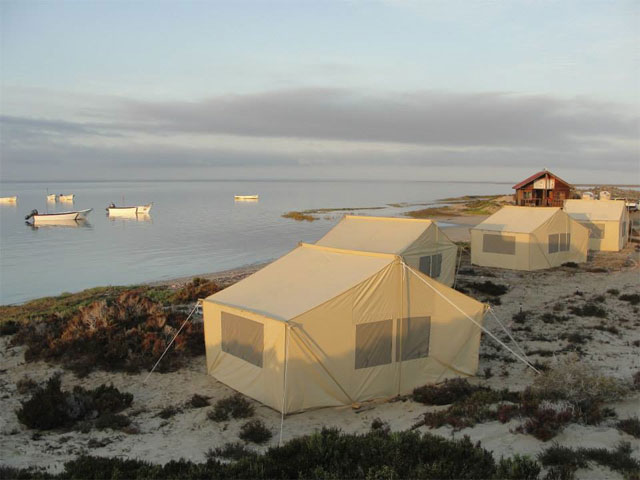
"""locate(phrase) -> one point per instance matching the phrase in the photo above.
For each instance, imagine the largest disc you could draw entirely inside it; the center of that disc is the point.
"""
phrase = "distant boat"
(128, 211)
(57, 217)
(66, 198)
(246, 197)
(80, 223)
(13, 199)
(52, 197)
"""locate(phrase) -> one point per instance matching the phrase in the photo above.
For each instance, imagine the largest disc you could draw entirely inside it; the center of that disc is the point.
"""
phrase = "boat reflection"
(80, 223)
(129, 216)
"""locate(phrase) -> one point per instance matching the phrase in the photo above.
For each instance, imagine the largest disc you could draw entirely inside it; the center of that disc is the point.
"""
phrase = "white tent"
(528, 238)
(420, 243)
(326, 327)
(607, 221)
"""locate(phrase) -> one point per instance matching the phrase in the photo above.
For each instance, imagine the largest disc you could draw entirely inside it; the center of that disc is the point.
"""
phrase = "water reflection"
(129, 216)
(80, 223)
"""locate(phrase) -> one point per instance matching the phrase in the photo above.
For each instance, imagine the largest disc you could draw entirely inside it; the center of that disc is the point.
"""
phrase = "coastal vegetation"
(313, 214)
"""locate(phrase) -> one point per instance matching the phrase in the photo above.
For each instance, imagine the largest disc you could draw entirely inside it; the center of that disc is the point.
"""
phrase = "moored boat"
(13, 199)
(52, 197)
(246, 197)
(128, 211)
(57, 217)
(66, 198)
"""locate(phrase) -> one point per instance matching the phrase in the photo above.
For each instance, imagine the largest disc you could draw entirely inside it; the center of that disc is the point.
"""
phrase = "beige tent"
(528, 238)
(420, 243)
(326, 327)
(607, 221)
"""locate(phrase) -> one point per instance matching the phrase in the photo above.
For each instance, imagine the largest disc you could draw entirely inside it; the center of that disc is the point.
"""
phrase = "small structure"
(528, 238)
(607, 221)
(327, 327)
(543, 189)
(420, 243)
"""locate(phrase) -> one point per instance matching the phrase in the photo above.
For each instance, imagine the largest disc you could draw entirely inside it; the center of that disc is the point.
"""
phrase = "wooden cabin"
(543, 189)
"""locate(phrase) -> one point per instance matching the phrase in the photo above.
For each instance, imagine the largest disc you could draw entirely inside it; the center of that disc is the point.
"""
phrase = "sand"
(189, 434)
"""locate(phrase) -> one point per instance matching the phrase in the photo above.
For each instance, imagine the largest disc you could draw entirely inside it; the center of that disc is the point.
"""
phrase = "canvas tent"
(327, 327)
(420, 243)
(528, 238)
(607, 221)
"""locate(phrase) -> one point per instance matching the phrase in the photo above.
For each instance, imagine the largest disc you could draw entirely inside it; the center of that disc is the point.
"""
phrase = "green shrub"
(444, 393)
(255, 431)
(9, 327)
(588, 310)
(489, 288)
(26, 385)
(630, 425)
(199, 401)
(521, 316)
(114, 421)
(230, 451)
(613, 291)
(633, 299)
(236, 406)
(169, 411)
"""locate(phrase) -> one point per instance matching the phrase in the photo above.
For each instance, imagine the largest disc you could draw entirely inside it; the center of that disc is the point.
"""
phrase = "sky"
(394, 89)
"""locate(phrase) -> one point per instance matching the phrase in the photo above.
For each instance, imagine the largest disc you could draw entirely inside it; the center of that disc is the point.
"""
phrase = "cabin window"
(596, 230)
(504, 244)
(431, 265)
(243, 338)
(413, 338)
(373, 343)
(559, 242)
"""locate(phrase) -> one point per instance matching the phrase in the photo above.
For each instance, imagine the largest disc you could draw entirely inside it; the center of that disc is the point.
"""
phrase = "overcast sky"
(463, 90)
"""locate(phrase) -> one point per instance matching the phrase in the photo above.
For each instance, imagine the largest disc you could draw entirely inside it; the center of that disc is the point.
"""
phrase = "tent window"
(243, 338)
(554, 241)
(505, 244)
(623, 232)
(431, 265)
(414, 338)
(596, 230)
(373, 343)
(565, 242)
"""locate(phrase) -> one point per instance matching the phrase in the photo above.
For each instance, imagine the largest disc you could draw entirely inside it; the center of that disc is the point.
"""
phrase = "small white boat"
(80, 223)
(128, 211)
(57, 217)
(52, 197)
(246, 197)
(13, 199)
(66, 198)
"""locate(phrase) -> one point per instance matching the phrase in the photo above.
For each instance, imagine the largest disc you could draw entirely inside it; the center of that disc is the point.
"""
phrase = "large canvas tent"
(420, 243)
(528, 238)
(327, 327)
(607, 221)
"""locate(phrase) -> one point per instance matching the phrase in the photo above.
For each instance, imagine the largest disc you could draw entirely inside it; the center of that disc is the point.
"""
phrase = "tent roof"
(301, 280)
(376, 234)
(595, 209)
(517, 219)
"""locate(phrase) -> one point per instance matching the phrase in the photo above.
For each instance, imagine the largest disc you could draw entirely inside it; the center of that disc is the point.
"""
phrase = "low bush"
(255, 431)
(588, 310)
(26, 385)
(630, 425)
(9, 327)
(548, 419)
(126, 333)
(169, 411)
(198, 401)
(613, 291)
(49, 407)
(236, 406)
(599, 299)
(192, 291)
(328, 454)
(570, 264)
(521, 316)
(569, 459)
(633, 298)
(114, 421)
(444, 393)
(378, 425)
(230, 451)
(553, 318)
(603, 327)
(489, 288)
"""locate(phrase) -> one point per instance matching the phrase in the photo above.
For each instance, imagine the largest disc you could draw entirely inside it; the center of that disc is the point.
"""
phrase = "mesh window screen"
(565, 242)
(373, 343)
(414, 338)
(431, 265)
(554, 242)
(596, 230)
(243, 338)
(505, 244)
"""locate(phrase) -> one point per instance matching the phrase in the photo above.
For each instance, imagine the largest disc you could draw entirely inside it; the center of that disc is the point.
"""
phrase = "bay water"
(194, 227)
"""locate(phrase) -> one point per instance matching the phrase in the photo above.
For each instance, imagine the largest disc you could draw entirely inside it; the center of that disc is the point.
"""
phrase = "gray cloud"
(422, 118)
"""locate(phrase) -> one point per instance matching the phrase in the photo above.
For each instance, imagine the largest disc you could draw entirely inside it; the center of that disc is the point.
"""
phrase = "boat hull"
(61, 217)
(66, 198)
(129, 211)
(9, 199)
(246, 197)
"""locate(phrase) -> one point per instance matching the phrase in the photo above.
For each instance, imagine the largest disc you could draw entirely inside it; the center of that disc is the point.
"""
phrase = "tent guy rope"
(195, 307)
(508, 333)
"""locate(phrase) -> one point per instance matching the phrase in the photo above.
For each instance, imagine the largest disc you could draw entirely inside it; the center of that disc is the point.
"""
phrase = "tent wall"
(607, 221)
(486, 251)
(265, 383)
(555, 231)
(434, 242)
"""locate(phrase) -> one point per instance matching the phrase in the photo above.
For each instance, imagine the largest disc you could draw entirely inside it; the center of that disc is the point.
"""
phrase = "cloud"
(326, 127)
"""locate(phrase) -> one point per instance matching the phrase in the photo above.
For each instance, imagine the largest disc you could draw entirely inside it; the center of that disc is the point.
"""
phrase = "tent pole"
(284, 386)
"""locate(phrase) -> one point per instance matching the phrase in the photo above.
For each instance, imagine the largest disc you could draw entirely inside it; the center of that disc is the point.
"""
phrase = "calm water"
(194, 228)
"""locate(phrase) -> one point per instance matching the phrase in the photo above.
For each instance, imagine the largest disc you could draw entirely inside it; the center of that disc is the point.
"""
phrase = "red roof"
(535, 176)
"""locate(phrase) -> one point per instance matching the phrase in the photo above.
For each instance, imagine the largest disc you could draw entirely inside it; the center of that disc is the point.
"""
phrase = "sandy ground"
(190, 434)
